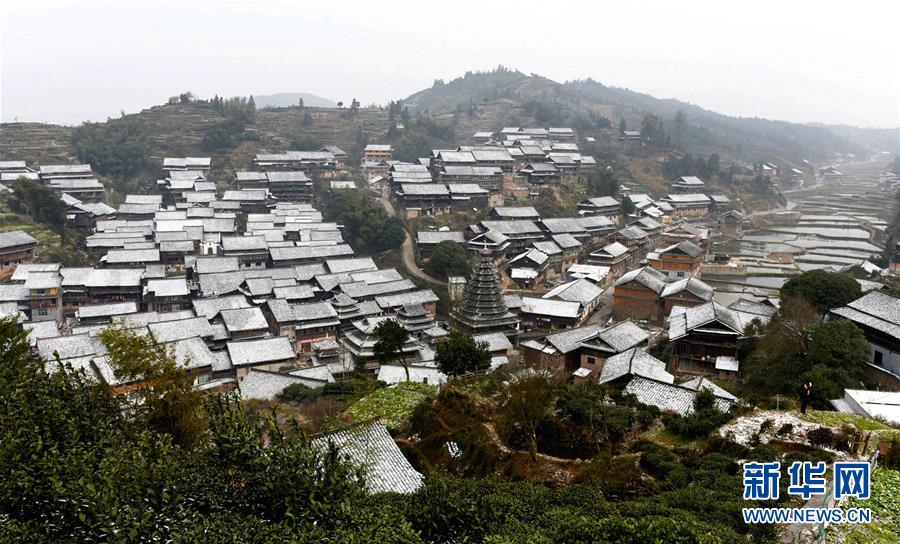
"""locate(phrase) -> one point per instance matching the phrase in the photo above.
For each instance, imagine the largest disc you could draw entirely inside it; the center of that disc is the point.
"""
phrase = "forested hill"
(578, 103)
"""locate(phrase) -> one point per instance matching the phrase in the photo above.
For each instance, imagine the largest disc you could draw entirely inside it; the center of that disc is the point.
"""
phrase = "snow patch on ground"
(745, 429)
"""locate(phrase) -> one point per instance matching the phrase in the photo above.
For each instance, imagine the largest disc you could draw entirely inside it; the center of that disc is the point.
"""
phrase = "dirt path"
(407, 253)
(495, 438)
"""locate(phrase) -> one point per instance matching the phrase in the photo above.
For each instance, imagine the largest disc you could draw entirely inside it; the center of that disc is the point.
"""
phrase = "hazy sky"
(834, 62)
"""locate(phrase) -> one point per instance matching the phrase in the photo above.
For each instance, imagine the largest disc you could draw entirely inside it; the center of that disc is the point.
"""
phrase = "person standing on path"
(804, 396)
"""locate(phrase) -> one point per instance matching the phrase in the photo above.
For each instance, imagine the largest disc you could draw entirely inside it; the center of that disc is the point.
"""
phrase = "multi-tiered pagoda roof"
(482, 309)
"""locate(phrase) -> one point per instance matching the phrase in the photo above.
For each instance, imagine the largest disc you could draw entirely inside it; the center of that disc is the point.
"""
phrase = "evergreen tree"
(390, 337)
(448, 259)
(627, 206)
(679, 124)
(461, 354)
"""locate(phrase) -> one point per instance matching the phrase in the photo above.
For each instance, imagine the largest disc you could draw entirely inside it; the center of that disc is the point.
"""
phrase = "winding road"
(407, 253)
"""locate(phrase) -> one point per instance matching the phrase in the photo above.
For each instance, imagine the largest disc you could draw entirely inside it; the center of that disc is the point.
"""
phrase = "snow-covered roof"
(637, 362)
(370, 446)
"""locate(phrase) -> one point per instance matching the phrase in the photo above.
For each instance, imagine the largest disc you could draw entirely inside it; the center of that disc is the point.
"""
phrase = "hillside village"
(254, 287)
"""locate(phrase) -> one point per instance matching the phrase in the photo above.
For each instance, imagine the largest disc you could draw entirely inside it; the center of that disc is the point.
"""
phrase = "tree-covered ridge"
(590, 105)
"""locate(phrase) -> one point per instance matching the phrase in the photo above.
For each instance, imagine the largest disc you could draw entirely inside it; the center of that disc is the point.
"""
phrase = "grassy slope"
(885, 504)
(392, 404)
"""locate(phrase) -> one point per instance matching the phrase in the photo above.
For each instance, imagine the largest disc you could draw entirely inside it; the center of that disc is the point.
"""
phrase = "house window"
(679, 274)
(591, 360)
(42, 312)
(878, 359)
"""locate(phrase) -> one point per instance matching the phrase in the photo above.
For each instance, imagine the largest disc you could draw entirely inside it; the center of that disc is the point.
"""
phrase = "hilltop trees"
(238, 112)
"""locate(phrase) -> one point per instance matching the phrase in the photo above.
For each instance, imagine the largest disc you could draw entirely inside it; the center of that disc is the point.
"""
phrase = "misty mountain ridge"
(284, 100)
(577, 102)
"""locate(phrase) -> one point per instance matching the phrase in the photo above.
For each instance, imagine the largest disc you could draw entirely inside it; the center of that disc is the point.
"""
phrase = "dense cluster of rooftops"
(250, 287)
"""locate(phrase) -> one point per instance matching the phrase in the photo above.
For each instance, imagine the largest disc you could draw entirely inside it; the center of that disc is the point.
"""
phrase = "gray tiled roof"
(668, 397)
(702, 315)
(43, 280)
(309, 252)
(583, 291)
(692, 285)
(602, 201)
(700, 382)
(319, 372)
(877, 310)
(266, 350)
(496, 341)
(512, 227)
(16, 238)
(360, 289)
(244, 319)
(563, 224)
(170, 331)
(105, 310)
(172, 287)
(517, 211)
(637, 362)
(622, 336)
(350, 265)
(39, 330)
(264, 385)
(553, 308)
(244, 243)
(116, 256)
(209, 307)
(314, 311)
(422, 296)
(436, 237)
(424, 189)
(687, 247)
(370, 446)
(646, 276)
